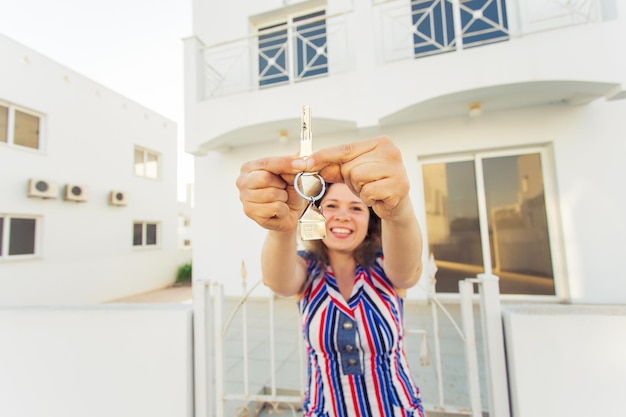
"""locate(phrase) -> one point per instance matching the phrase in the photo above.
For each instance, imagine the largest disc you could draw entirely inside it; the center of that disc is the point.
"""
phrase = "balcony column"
(364, 46)
(193, 68)
(193, 87)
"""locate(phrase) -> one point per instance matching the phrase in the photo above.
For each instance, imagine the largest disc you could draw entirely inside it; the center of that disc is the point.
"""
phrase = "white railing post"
(495, 362)
(458, 27)
(466, 292)
(219, 351)
(202, 352)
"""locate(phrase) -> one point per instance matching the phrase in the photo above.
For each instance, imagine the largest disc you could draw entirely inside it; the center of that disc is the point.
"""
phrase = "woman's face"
(347, 219)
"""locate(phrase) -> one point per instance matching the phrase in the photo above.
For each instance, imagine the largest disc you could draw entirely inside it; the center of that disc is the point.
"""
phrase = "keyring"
(310, 198)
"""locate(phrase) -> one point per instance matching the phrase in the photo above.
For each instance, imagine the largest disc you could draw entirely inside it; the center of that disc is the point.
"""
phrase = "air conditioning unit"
(117, 198)
(42, 189)
(75, 192)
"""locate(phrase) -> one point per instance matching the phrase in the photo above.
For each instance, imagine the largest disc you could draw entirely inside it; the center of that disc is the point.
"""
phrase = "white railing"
(406, 30)
(493, 342)
(233, 66)
(539, 15)
(211, 332)
(419, 28)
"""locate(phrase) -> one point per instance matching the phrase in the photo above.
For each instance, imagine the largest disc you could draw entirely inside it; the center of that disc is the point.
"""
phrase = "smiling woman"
(349, 293)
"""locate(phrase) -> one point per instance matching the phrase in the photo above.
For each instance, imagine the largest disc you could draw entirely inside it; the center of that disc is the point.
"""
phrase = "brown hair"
(364, 254)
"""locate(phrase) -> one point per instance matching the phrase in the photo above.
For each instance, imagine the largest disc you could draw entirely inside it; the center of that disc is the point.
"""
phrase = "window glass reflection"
(4, 122)
(139, 165)
(26, 130)
(1, 235)
(518, 225)
(519, 240)
(151, 234)
(452, 222)
(137, 234)
(152, 165)
(22, 237)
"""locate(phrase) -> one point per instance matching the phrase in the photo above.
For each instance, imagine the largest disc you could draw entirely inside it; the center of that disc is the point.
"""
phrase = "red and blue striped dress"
(356, 361)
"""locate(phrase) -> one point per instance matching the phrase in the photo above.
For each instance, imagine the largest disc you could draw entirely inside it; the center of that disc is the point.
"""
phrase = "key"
(310, 186)
(306, 136)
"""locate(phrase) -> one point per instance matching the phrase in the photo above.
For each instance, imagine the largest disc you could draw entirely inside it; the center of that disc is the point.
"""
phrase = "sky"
(133, 47)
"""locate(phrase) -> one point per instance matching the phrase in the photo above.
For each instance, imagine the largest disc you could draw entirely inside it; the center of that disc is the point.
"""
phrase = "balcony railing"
(280, 55)
(321, 45)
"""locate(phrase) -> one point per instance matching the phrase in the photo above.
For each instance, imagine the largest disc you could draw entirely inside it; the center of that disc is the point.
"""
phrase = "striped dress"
(356, 361)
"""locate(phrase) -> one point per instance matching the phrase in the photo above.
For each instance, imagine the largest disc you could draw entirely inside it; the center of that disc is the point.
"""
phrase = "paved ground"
(175, 294)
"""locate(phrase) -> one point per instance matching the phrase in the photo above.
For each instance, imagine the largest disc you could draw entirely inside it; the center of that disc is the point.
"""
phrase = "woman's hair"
(365, 254)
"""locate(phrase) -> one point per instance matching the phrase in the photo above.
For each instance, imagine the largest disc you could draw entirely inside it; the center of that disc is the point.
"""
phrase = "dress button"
(349, 348)
(347, 325)
(351, 362)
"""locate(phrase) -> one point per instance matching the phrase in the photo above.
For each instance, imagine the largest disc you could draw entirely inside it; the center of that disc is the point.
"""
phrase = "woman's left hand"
(372, 169)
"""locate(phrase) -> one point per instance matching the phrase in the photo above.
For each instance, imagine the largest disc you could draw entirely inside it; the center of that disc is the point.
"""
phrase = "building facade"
(507, 113)
(88, 201)
(510, 118)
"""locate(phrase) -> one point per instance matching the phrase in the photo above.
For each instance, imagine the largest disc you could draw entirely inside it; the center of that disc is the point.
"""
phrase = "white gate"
(217, 396)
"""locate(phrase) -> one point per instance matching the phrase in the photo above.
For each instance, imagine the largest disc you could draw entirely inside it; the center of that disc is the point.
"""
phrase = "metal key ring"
(311, 198)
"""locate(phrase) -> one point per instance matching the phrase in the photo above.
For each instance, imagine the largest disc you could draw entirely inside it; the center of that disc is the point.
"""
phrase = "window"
(145, 234)
(303, 38)
(146, 163)
(19, 127)
(500, 226)
(17, 235)
(481, 22)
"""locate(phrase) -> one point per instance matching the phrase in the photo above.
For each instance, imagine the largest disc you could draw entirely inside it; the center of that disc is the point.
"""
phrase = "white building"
(503, 191)
(88, 201)
(510, 117)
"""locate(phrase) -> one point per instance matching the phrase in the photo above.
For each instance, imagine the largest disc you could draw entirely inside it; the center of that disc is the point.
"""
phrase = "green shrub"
(184, 273)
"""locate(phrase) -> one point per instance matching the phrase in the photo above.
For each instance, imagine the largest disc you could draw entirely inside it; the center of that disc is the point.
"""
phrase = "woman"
(349, 293)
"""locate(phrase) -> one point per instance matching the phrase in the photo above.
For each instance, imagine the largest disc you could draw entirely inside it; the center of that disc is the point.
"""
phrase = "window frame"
(457, 25)
(144, 234)
(145, 153)
(5, 237)
(10, 128)
(555, 234)
(289, 22)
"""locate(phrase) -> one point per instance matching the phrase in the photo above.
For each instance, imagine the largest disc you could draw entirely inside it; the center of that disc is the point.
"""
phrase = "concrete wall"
(85, 252)
(111, 360)
(565, 361)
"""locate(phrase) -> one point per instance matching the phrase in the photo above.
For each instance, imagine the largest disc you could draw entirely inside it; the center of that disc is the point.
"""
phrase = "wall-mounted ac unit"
(75, 192)
(42, 189)
(118, 198)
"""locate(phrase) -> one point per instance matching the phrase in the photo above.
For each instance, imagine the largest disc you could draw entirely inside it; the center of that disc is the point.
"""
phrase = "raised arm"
(283, 270)
(269, 198)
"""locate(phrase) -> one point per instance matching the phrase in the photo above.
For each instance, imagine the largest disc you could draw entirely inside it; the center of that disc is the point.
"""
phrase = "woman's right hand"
(267, 193)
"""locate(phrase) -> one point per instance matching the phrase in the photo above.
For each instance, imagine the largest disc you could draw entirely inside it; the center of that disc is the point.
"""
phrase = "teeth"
(341, 230)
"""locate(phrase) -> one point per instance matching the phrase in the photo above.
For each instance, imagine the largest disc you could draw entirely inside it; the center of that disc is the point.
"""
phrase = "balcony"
(421, 59)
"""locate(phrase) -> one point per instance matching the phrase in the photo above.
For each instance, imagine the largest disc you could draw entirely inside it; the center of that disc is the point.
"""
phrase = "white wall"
(565, 361)
(89, 134)
(110, 360)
